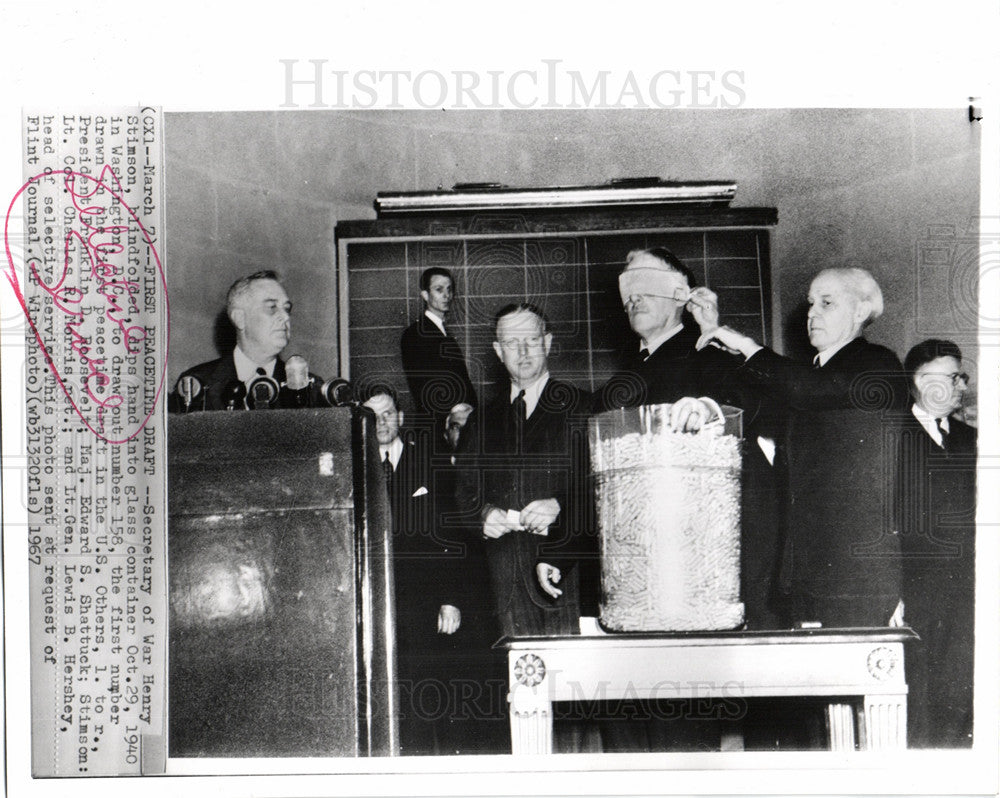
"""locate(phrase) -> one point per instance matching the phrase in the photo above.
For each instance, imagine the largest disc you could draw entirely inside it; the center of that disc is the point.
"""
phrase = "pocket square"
(421, 491)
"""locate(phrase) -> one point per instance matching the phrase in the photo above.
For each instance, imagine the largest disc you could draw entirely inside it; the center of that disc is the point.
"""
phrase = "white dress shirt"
(246, 369)
(438, 321)
(822, 358)
(657, 341)
(929, 423)
(395, 450)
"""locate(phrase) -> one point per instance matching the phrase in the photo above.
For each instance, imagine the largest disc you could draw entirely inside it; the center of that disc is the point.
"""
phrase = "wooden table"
(838, 663)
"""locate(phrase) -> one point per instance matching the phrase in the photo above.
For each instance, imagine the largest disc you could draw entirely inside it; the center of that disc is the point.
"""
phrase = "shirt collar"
(657, 341)
(929, 423)
(826, 354)
(395, 449)
(246, 369)
(531, 393)
(438, 322)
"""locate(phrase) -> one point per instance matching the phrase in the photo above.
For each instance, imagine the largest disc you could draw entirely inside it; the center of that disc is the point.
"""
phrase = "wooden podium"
(280, 586)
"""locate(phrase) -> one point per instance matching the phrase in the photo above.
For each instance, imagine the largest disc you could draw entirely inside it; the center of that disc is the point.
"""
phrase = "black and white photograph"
(814, 485)
(531, 426)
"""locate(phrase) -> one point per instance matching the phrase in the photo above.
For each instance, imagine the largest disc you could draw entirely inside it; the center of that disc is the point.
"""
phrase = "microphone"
(189, 388)
(262, 393)
(297, 390)
(338, 393)
(233, 395)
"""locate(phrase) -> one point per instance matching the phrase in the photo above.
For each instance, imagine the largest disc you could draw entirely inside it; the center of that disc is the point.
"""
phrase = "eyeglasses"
(531, 342)
(956, 377)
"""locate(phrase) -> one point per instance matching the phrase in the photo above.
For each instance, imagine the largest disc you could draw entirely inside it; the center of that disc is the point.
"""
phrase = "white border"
(193, 56)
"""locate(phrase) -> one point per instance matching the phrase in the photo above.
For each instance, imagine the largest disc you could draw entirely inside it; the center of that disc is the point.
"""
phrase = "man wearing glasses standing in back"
(936, 505)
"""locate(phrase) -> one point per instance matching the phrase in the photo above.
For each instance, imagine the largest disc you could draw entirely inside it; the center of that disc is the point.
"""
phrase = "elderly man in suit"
(432, 360)
(261, 312)
(936, 502)
(840, 563)
(666, 366)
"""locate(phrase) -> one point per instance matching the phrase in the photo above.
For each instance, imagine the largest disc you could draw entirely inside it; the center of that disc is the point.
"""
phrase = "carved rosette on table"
(529, 670)
(882, 663)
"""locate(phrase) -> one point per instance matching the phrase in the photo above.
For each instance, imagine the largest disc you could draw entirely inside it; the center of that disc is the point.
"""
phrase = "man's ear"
(862, 310)
(424, 295)
(238, 316)
(548, 343)
(498, 349)
(399, 417)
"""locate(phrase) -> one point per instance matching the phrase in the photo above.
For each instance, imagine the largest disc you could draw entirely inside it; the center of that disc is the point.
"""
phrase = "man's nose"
(812, 312)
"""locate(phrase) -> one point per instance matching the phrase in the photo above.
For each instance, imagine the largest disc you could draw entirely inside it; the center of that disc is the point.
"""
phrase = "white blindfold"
(653, 282)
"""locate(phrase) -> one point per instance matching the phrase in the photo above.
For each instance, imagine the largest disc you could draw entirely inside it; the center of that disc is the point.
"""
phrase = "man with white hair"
(840, 564)
(665, 366)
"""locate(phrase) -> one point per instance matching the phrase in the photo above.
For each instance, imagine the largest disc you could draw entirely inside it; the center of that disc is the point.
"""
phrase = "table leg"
(530, 721)
(885, 722)
(530, 706)
(841, 723)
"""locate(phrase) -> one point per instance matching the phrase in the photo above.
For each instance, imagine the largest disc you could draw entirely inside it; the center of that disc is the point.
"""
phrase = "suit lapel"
(429, 329)
(546, 404)
(847, 354)
(225, 371)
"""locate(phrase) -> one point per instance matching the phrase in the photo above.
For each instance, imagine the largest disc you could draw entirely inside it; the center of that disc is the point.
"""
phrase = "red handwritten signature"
(94, 245)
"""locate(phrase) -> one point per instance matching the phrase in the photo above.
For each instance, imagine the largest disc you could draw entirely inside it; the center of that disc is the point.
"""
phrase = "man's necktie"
(261, 372)
(643, 354)
(387, 468)
(943, 433)
(518, 408)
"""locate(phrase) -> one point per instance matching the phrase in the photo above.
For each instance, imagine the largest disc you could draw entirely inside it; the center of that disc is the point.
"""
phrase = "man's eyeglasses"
(956, 377)
(531, 342)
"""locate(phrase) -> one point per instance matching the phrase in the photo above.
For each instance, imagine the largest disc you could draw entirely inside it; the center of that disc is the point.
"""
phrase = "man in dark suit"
(260, 310)
(528, 484)
(665, 365)
(840, 563)
(432, 360)
(443, 632)
(936, 502)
